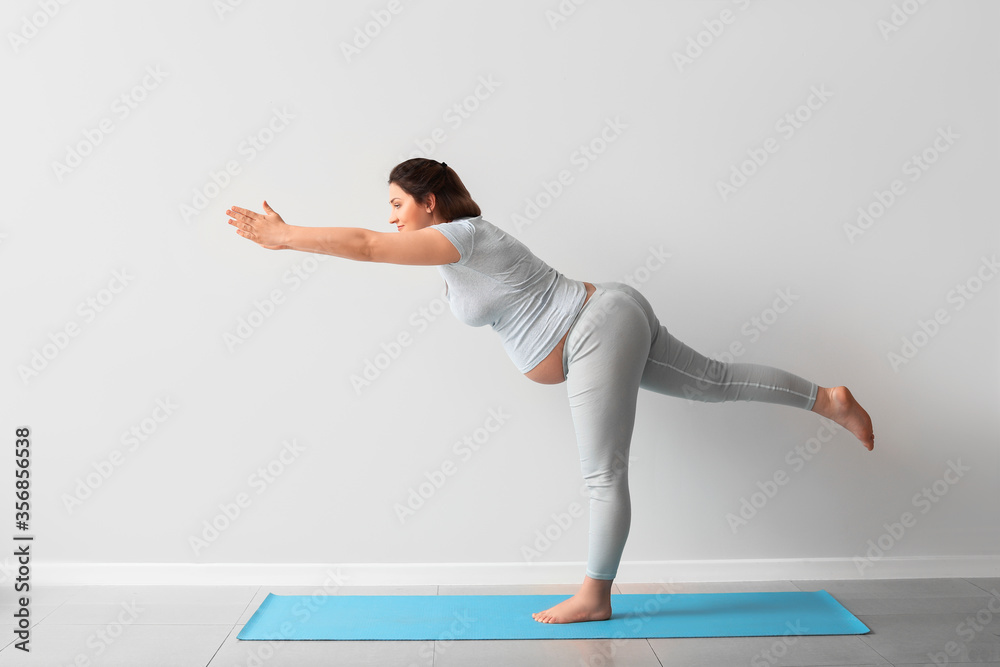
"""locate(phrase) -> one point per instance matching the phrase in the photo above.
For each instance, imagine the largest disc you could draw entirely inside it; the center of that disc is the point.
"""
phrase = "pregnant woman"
(602, 339)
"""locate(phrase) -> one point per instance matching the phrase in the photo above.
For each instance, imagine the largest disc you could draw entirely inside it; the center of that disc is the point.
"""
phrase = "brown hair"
(420, 176)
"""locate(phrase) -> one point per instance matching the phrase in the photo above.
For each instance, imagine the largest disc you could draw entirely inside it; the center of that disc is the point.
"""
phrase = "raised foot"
(575, 610)
(846, 411)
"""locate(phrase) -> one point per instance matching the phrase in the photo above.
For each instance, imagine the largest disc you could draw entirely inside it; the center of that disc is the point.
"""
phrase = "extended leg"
(675, 369)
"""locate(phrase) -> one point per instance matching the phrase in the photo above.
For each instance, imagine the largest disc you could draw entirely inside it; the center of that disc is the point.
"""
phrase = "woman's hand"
(268, 230)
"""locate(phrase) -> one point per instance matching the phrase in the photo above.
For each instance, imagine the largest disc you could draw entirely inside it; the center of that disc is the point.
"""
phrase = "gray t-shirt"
(498, 281)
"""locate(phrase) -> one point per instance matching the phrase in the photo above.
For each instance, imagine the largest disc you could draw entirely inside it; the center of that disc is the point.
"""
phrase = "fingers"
(242, 213)
(244, 219)
(243, 226)
(245, 223)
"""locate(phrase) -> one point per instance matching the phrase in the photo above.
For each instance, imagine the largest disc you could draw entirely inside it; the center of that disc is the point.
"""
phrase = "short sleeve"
(462, 235)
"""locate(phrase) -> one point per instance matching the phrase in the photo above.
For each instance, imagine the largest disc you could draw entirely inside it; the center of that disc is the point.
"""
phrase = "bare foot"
(838, 404)
(591, 603)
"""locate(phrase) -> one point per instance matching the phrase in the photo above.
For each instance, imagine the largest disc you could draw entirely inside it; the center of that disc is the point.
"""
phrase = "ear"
(431, 202)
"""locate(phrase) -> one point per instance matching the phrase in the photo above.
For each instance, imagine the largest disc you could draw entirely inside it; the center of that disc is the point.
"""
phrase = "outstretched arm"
(271, 232)
(424, 246)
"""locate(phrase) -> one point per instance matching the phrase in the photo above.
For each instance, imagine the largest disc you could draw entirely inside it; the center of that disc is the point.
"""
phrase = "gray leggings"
(616, 345)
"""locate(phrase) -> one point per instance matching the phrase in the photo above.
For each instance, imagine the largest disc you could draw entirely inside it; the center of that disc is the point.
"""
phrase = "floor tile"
(789, 651)
(891, 588)
(47, 595)
(119, 646)
(545, 653)
(78, 613)
(917, 605)
(323, 653)
(990, 585)
(36, 613)
(919, 638)
(712, 587)
(192, 595)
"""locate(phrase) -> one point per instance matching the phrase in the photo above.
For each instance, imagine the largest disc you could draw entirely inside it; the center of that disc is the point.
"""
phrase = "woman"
(603, 339)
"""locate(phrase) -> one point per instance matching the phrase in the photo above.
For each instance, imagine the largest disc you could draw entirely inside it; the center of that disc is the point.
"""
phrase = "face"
(407, 214)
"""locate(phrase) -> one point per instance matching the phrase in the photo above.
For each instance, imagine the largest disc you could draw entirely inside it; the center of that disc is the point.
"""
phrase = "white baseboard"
(401, 574)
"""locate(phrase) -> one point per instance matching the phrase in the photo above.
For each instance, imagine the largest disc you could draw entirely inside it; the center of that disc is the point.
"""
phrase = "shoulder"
(462, 232)
(467, 223)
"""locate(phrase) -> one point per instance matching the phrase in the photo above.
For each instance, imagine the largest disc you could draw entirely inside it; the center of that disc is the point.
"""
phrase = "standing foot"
(838, 404)
(591, 603)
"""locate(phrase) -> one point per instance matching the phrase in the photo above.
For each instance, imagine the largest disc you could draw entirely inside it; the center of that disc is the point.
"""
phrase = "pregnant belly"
(550, 369)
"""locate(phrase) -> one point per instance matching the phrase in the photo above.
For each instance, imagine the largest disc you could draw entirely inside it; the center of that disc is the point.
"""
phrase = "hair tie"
(444, 165)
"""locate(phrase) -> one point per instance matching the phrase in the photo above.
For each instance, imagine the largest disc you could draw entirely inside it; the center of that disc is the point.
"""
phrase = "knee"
(608, 480)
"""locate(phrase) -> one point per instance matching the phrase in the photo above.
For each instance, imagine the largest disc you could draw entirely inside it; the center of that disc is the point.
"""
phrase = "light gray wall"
(126, 228)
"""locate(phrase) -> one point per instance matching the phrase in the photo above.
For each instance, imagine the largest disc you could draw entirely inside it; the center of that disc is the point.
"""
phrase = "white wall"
(130, 206)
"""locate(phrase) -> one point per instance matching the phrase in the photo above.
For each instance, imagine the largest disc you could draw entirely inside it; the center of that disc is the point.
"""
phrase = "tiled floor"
(913, 622)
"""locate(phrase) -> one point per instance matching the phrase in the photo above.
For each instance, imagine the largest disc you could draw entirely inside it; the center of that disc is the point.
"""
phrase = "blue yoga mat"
(451, 617)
